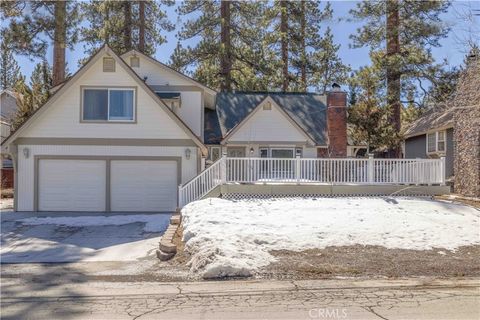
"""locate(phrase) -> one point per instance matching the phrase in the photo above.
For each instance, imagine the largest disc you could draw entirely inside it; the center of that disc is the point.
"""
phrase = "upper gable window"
(108, 64)
(267, 106)
(135, 62)
(108, 104)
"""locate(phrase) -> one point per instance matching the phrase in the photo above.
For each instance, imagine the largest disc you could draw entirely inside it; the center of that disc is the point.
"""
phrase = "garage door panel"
(139, 185)
(71, 185)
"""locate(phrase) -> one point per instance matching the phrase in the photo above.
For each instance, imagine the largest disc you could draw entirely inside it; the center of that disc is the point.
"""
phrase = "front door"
(236, 152)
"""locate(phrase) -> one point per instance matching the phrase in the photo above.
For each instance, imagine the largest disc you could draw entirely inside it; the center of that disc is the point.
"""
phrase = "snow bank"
(233, 238)
(153, 222)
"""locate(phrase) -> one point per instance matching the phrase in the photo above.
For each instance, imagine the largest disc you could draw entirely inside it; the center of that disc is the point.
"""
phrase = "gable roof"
(257, 108)
(433, 119)
(105, 49)
(170, 69)
(307, 110)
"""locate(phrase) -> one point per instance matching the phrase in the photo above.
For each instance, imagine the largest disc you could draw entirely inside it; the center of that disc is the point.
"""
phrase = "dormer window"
(108, 64)
(172, 99)
(135, 62)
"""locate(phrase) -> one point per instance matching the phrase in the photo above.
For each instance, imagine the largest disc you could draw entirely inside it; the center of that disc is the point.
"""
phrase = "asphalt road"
(318, 299)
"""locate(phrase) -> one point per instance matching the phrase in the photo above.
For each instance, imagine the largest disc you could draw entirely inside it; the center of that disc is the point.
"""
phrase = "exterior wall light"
(251, 151)
(188, 153)
(26, 152)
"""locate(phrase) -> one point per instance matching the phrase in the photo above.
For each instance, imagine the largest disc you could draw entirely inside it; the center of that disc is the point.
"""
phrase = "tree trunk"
(303, 67)
(59, 42)
(141, 28)
(127, 28)
(284, 41)
(226, 54)
(393, 72)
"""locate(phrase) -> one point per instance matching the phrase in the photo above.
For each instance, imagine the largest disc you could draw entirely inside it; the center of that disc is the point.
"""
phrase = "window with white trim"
(436, 141)
(108, 104)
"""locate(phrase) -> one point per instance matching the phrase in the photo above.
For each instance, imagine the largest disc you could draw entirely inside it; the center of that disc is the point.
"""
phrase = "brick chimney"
(337, 122)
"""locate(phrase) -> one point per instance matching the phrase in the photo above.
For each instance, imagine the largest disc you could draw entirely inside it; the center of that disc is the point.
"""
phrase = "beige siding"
(62, 119)
(191, 110)
(268, 125)
(26, 165)
(157, 75)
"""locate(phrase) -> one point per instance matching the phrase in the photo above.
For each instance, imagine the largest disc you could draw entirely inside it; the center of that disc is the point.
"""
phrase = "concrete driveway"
(76, 237)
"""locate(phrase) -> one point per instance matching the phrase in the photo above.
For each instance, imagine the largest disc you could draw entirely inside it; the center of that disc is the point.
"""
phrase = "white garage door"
(139, 185)
(71, 185)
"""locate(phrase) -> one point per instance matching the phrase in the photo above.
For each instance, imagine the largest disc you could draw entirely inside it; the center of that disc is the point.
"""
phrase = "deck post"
(179, 197)
(297, 169)
(223, 168)
(371, 167)
(442, 170)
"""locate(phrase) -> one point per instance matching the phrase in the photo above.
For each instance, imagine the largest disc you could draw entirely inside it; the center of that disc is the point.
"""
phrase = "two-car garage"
(107, 184)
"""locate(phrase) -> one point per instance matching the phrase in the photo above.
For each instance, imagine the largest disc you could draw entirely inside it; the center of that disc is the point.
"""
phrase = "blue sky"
(451, 47)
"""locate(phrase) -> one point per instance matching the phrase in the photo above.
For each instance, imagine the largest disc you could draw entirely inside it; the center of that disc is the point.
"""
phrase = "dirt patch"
(373, 261)
(473, 202)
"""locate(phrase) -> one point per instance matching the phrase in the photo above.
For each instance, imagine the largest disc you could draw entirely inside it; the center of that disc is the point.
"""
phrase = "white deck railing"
(316, 171)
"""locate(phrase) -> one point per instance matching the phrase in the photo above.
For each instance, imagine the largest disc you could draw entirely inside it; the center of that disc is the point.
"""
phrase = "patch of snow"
(233, 238)
(153, 222)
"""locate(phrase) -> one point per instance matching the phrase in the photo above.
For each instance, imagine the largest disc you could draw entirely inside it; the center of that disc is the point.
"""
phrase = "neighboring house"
(8, 108)
(124, 132)
(431, 136)
(277, 125)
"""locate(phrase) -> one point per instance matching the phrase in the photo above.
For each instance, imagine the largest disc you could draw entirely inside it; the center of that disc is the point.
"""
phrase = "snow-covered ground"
(70, 237)
(233, 238)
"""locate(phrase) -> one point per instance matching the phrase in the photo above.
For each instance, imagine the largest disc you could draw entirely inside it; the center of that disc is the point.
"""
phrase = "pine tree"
(40, 21)
(230, 53)
(124, 25)
(9, 69)
(402, 32)
(24, 103)
(40, 83)
(327, 67)
(306, 40)
(369, 117)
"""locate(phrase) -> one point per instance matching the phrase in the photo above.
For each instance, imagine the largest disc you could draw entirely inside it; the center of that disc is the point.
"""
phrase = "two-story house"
(125, 131)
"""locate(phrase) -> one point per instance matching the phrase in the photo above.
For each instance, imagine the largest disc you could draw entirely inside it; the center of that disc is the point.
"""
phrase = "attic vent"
(267, 106)
(134, 62)
(108, 64)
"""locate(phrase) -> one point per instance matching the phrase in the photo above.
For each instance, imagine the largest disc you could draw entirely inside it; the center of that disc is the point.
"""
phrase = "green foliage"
(369, 117)
(249, 53)
(107, 22)
(420, 28)
(40, 83)
(9, 69)
(24, 103)
(32, 23)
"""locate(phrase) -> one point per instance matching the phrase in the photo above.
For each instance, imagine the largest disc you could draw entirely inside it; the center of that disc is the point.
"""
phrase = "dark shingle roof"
(432, 119)
(308, 110)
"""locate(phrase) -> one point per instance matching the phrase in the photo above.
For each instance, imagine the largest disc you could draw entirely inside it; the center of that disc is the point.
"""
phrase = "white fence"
(320, 171)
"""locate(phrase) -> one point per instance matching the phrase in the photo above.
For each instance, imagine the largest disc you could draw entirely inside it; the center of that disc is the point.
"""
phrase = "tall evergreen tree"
(402, 32)
(41, 81)
(24, 103)
(9, 69)
(230, 51)
(124, 25)
(36, 23)
(369, 116)
(327, 67)
(306, 40)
